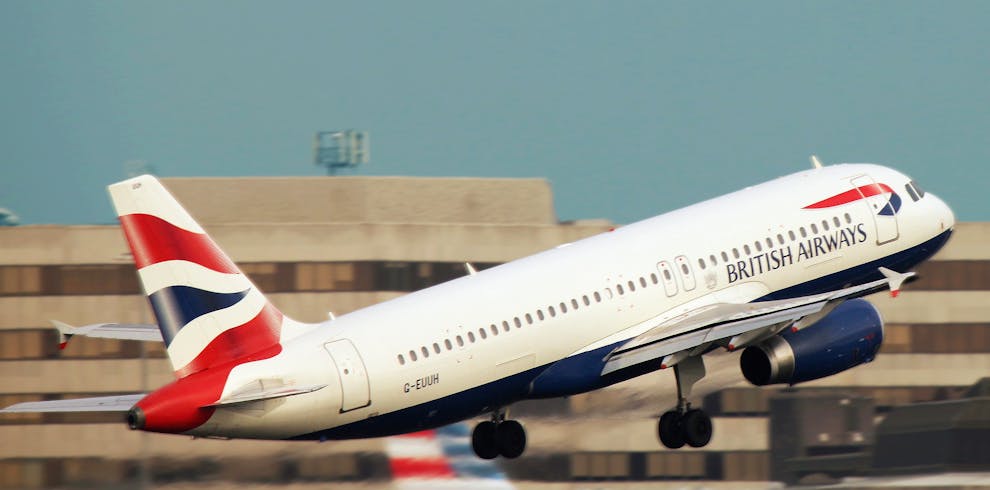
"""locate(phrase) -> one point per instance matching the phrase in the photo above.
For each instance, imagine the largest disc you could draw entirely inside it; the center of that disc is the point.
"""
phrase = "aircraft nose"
(944, 214)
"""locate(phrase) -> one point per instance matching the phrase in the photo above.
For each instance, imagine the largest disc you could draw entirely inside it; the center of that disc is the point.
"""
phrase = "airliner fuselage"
(484, 341)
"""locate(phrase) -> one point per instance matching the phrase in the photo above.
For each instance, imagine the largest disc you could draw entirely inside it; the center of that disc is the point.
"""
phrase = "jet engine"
(848, 336)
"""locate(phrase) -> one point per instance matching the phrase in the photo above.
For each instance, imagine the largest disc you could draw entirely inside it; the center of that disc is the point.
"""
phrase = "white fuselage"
(420, 360)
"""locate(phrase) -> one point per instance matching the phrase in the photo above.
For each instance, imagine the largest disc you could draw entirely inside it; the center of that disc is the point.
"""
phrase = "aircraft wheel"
(669, 430)
(483, 440)
(511, 439)
(696, 427)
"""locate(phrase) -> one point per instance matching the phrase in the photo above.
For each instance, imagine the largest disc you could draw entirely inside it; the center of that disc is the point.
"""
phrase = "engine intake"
(847, 337)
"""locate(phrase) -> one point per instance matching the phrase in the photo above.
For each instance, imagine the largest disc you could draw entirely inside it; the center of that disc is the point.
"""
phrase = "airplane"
(777, 270)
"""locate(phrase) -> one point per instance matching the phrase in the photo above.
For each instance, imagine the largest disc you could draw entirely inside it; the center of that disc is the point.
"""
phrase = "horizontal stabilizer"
(122, 331)
(115, 403)
(263, 389)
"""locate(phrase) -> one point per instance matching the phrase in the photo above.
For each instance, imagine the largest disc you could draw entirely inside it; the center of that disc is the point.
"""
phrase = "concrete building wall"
(365, 200)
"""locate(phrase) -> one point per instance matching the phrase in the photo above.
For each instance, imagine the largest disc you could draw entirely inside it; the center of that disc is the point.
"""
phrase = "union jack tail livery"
(208, 311)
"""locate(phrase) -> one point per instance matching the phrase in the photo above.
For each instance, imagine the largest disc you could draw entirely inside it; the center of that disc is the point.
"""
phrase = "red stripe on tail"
(153, 240)
(258, 337)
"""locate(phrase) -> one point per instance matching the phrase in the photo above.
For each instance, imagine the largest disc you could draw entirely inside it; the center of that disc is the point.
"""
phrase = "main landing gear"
(686, 425)
(498, 437)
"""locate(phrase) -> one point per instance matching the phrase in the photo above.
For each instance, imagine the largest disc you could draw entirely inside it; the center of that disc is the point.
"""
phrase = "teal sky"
(628, 108)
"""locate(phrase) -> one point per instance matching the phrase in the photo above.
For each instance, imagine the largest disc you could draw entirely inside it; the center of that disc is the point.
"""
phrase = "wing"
(735, 325)
(115, 403)
(126, 331)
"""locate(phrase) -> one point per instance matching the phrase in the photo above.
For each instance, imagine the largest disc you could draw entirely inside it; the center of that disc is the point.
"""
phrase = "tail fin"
(209, 312)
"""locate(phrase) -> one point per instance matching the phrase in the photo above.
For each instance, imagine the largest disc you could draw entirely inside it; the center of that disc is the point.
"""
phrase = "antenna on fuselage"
(815, 162)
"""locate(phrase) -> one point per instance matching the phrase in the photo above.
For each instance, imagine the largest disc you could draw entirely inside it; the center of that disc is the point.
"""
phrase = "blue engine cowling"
(848, 336)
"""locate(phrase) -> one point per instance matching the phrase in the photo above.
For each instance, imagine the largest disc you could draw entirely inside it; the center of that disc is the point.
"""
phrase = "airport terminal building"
(322, 245)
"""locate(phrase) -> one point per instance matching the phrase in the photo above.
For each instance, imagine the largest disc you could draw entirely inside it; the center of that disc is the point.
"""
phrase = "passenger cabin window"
(494, 329)
(587, 302)
(552, 310)
(618, 287)
(759, 246)
(725, 257)
(848, 218)
(780, 239)
(598, 297)
(412, 356)
(835, 220)
(712, 261)
(471, 337)
(654, 278)
(790, 233)
(632, 286)
(701, 263)
(825, 225)
(574, 302)
(482, 334)
(460, 341)
(436, 348)
(746, 249)
(529, 319)
(517, 321)
(505, 326)
(735, 253)
(402, 360)
(814, 229)
(563, 307)
(425, 351)
(769, 242)
(804, 234)
(539, 314)
(447, 344)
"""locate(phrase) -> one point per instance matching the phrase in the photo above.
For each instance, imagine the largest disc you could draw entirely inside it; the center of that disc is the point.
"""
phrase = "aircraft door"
(355, 391)
(687, 275)
(667, 276)
(883, 204)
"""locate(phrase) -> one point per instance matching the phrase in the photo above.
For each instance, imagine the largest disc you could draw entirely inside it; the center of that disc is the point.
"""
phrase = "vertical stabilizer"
(208, 311)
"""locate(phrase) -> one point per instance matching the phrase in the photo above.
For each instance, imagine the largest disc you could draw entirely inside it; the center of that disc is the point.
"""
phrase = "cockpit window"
(918, 189)
(910, 191)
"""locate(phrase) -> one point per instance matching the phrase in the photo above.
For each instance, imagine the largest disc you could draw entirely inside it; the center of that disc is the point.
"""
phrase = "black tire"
(483, 440)
(696, 426)
(511, 439)
(669, 430)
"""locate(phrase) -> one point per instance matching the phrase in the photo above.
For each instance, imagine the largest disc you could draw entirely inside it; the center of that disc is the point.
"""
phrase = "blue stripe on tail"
(176, 306)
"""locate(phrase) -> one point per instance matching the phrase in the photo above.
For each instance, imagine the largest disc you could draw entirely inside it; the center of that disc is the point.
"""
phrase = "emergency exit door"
(354, 390)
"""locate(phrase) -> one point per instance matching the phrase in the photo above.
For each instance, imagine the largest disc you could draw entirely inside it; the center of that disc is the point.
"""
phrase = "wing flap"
(115, 403)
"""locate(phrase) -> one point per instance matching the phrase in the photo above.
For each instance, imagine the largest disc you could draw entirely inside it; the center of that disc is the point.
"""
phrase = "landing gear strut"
(686, 425)
(498, 437)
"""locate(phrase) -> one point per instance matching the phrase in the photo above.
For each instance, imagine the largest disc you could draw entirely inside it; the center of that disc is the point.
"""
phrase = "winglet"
(65, 332)
(895, 280)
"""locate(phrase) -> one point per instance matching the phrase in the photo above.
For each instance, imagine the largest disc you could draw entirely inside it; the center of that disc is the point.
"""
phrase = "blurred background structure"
(321, 244)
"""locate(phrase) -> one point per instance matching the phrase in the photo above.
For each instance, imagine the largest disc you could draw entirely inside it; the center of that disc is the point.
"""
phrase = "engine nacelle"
(847, 337)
